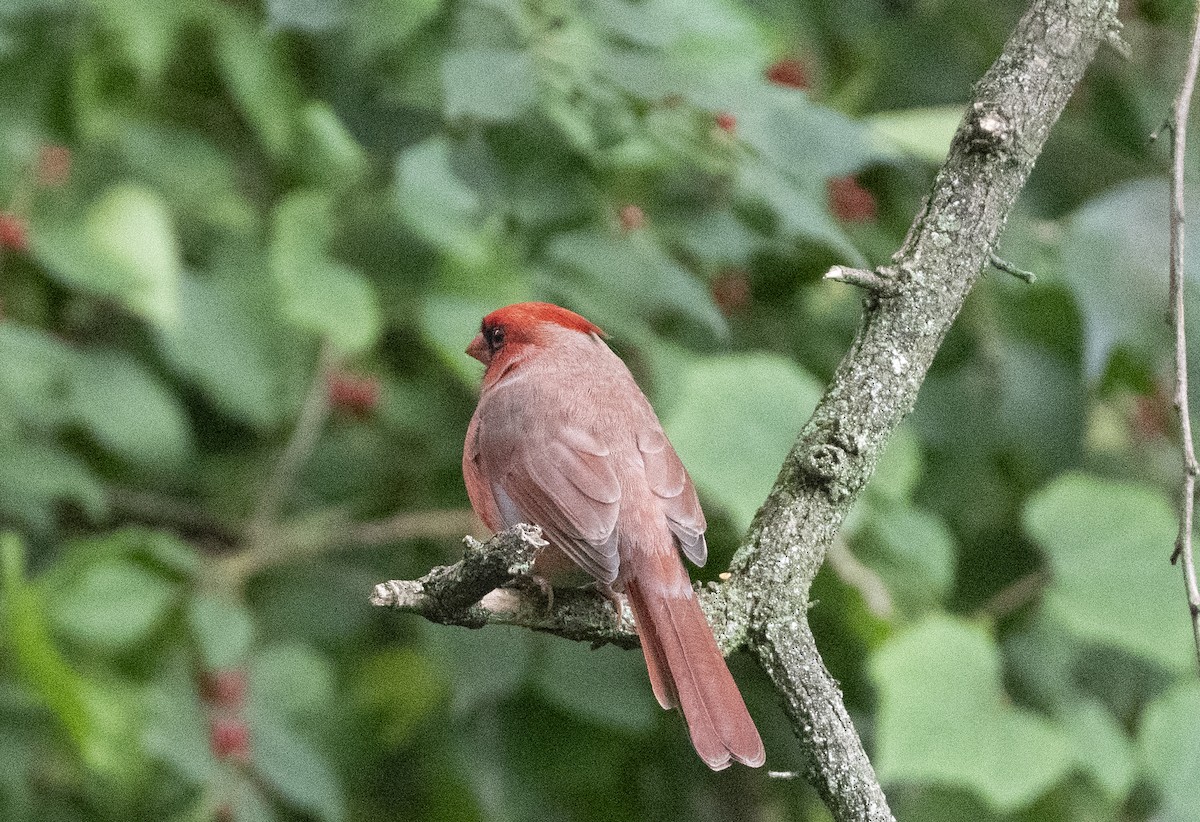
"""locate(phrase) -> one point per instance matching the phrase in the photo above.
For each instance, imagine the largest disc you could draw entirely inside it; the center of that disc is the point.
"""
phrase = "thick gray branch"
(909, 308)
(951, 241)
(471, 593)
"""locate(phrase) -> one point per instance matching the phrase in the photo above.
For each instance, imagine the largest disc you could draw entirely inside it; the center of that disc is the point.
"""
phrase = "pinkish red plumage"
(564, 438)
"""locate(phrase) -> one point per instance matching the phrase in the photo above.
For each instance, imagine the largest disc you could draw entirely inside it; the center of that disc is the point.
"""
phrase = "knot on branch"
(829, 460)
(990, 130)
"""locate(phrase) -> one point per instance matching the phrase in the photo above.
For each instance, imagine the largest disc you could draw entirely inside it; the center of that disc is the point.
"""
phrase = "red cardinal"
(563, 438)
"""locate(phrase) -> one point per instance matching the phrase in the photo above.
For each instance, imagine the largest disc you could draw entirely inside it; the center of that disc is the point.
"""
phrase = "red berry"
(632, 218)
(731, 291)
(54, 165)
(789, 72)
(224, 689)
(13, 232)
(229, 739)
(726, 121)
(352, 394)
(1152, 417)
(849, 201)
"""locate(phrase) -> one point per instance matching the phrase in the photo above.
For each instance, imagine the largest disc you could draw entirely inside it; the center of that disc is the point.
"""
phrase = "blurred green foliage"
(211, 211)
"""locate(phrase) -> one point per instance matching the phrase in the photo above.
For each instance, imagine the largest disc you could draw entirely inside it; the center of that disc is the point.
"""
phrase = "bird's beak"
(479, 349)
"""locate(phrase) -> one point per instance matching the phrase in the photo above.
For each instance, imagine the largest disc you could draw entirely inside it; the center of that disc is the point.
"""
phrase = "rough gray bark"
(910, 306)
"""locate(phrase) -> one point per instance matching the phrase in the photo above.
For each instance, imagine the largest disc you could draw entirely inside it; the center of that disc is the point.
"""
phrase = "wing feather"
(670, 482)
(571, 489)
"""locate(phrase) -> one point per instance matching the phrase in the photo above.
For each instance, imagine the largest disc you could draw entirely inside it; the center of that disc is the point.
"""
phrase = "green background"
(211, 210)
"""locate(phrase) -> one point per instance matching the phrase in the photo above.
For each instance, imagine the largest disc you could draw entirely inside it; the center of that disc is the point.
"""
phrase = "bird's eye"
(495, 337)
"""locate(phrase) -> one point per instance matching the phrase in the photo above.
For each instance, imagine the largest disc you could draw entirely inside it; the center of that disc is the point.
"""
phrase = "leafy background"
(231, 226)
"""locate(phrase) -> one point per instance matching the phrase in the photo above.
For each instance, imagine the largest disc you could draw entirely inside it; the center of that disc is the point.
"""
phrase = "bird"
(563, 438)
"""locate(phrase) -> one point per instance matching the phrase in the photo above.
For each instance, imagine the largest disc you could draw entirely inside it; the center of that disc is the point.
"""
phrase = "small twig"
(858, 576)
(1013, 596)
(413, 525)
(1183, 542)
(157, 509)
(1001, 264)
(871, 281)
(304, 438)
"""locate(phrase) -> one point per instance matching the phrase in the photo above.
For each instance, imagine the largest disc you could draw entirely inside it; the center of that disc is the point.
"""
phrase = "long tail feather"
(687, 670)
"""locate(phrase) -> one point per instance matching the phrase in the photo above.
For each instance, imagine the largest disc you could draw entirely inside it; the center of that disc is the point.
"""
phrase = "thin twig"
(1004, 265)
(304, 438)
(1014, 596)
(1183, 543)
(130, 505)
(414, 525)
(871, 281)
(861, 578)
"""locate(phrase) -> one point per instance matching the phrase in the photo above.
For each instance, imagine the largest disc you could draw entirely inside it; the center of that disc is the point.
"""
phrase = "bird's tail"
(687, 669)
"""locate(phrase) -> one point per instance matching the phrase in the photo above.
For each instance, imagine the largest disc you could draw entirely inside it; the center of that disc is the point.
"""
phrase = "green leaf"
(490, 85)
(799, 208)
(223, 629)
(332, 157)
(112, 606)
(435, 201)
(197, 176)
(320, 294)
(36, 475)
(1170, 750)
(1102, 748)
(146, 33)
(36, 371)
(506, 655)
(377, 27)
(292, 678)
(635, 275)
(734, 420)
(38, 661)
(400, 688)
(126, 249)
(234, 344)
(899, 469)
(570, 675)
(176, 729)
(1114, 261)
(255, 72)
(913, 552)
(922, 133)
(1107, 545)
(130, 412)
(294, 766)
(944, 718)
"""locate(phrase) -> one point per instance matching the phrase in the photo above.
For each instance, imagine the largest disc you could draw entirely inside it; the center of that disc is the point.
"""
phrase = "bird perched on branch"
(563, 438)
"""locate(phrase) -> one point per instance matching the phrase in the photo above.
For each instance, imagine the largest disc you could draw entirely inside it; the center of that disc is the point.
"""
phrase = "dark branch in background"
(313, 414)
(1183, 543)
(909, 307)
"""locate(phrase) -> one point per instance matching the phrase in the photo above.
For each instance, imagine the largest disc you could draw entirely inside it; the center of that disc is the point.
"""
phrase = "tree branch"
(470, 593)
(1183, 542)
(1006, 125)
(908, 310)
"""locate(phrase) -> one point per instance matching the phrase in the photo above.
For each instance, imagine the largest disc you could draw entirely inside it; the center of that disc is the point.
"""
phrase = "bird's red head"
(519, 324)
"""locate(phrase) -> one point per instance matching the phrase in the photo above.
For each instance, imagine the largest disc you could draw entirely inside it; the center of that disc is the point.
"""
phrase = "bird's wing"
(670, 482)
(478, 489)
(568, 486)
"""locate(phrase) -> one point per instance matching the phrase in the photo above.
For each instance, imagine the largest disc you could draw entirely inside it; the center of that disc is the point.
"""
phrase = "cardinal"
(563, 438)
